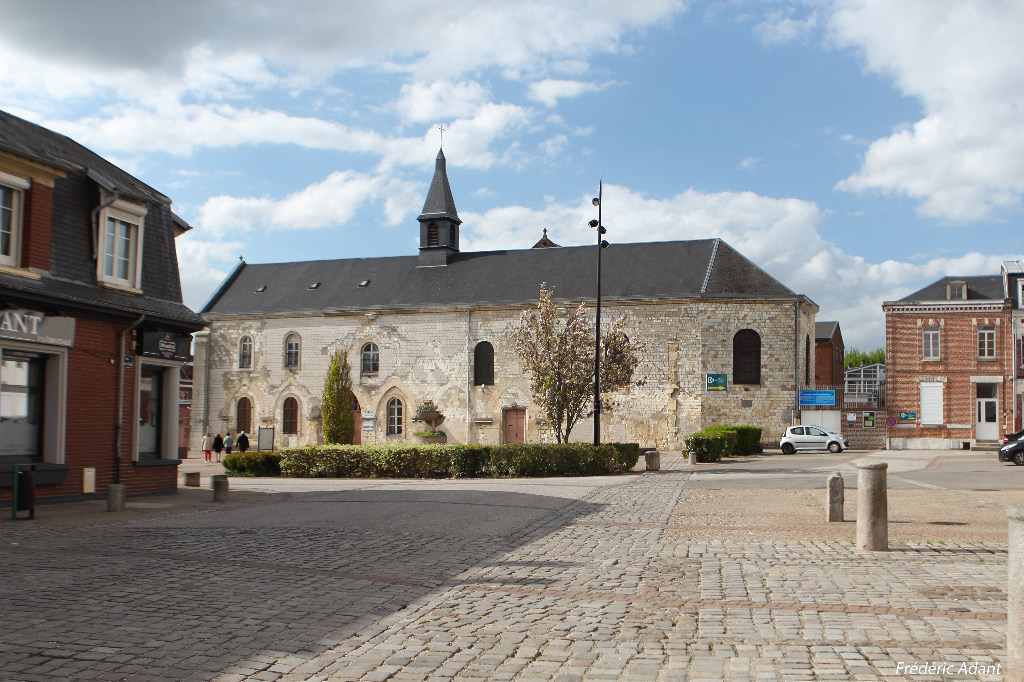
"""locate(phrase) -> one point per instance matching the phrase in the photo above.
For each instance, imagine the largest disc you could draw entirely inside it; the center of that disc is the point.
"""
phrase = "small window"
(394, 417)
(746, 357)
(957, 291)
(987, 342)
(369, 359)
(11, 195)
(432, 234)
(245, 352)
(483, 364)
(930, 343)
(120, 258)
(290, 421)
(291, 351)
(244, 416)
(453, 237)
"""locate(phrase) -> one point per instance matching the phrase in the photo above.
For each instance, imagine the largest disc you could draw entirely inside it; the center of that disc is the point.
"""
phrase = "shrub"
(626, 455)
(731, 438)
(748, 438)
(708, 446)
(253, 464)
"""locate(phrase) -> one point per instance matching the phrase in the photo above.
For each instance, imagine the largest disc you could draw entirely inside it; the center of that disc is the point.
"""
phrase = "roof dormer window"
(956, 291)
(121, 236)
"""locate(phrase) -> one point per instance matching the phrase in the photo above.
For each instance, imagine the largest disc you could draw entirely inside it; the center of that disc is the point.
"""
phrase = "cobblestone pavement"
(590, 589)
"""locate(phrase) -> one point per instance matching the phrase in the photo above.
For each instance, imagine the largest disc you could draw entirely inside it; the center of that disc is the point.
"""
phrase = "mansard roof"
(707, 268)
(980, 288)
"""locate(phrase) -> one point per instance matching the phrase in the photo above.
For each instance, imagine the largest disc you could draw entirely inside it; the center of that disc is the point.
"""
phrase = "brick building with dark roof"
(93, 330)
(949, 349)
(435, 326)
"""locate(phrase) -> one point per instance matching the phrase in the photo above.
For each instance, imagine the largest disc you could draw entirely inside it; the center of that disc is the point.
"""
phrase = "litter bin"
(23, 491)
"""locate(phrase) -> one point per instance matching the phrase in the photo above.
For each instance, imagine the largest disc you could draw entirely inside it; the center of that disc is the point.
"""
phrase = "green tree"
(854, 357)
(336, 403)
(559, 355)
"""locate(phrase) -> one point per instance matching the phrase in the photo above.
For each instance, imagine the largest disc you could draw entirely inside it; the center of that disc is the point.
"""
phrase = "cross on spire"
(442, 129)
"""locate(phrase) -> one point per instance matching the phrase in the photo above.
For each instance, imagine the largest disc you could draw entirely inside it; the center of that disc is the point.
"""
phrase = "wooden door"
(515, 425)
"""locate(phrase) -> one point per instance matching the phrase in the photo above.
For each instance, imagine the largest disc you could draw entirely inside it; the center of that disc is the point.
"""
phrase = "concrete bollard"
(191, 479)
(653, 460)
(834, 498)
(1015, 597)
(116, 497)
(219, 482)
(693, 459)
(872, 507)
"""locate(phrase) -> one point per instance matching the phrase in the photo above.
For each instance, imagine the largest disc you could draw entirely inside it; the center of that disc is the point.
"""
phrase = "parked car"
(812, 438)
(1013, 452)
(1013, 437)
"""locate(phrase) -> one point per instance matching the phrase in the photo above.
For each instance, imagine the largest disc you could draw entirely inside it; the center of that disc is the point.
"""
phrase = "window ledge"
(119, 287)
(156, 462)
(19, 272)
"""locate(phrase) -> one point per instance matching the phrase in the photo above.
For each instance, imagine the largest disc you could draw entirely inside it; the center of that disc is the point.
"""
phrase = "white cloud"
(440, 100)
(749, 163)
(197, 260)
(964, 161)
(549, 91)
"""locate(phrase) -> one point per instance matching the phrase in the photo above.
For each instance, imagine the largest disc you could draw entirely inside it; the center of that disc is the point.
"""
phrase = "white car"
(812, 438)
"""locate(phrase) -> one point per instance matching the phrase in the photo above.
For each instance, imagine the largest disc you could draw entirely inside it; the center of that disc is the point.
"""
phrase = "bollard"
(219, 482)
(872, 507)
(192, 479)
(653, 460)
(693, 459)
(116, 496)
(834, 498)
(1015, 597)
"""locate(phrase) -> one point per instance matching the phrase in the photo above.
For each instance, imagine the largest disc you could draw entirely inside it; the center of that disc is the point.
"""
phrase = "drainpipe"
(796, 358)
(469, 374)
(119, 424)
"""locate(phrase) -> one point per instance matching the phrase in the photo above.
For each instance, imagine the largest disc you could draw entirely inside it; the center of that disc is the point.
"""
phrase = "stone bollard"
(872, 507)
(693, 459)
(653, 460)
(191, 479)
(219, 482)
(116, 497)
(834, 498)
(1015, 597)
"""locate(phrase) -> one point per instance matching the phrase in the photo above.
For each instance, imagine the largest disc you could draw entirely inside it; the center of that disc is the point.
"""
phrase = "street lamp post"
(601, 245)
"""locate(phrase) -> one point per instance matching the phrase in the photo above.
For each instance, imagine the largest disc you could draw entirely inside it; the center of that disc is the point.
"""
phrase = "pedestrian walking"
(218, 445)
(243, 442)
(207, 446)
(229, 443)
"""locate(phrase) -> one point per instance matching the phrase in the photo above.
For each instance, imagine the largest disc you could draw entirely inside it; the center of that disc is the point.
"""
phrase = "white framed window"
(394, 417)
(986, 342)
(245, 352)
(956, 291)
(120, 248)
(291, 351)
(930, 343)
(12, 190)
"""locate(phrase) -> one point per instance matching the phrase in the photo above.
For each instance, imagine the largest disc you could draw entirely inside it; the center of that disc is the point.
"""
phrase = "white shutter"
(931, 403)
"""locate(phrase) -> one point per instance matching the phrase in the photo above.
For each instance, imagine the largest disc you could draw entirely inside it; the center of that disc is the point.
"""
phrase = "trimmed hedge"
(458, 461)
(748, 438)
(709, 445)
(253, 464)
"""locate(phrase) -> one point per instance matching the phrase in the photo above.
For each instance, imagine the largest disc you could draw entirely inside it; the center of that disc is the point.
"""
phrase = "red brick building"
(829, 354)
(949, 351)
(93, 331)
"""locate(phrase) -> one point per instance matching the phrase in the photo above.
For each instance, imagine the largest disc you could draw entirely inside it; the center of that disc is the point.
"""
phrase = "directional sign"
(908, 416)
(718, 382)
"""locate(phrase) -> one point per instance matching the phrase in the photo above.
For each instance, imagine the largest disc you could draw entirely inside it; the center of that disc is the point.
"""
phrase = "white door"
(986, 427)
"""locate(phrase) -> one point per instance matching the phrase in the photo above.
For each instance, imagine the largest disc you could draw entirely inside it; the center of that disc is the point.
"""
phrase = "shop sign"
(717, 382)
(37, 327)
(817, 398)
(166, 345)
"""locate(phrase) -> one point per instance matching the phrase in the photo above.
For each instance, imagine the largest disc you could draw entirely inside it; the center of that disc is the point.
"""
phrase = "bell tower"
(439, 221)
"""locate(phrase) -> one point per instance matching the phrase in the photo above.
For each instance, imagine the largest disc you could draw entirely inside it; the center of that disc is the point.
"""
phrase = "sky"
(857, 150)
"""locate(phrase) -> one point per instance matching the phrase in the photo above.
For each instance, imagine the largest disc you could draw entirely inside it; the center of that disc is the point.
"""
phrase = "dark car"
(1012, 452)
(1011, 437)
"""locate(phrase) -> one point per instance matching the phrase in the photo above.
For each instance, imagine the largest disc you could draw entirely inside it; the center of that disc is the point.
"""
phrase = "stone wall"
(427, 355)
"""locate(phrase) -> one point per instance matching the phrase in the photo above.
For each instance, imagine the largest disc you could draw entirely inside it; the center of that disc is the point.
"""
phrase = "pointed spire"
(440, 203)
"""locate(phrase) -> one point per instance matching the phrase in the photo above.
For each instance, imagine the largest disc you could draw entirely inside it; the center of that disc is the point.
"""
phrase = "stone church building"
(436, 326)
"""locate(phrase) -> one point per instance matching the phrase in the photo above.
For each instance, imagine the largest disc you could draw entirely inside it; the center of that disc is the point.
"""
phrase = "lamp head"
(593, 223)
(596, 201)
(604, 244)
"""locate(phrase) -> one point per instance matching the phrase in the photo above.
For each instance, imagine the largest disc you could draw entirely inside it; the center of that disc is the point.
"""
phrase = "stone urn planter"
(429, 416)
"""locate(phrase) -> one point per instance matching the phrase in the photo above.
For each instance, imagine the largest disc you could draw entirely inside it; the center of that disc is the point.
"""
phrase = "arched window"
(290, 422)
(746, 357)
(483, 364)
(244, 415)
(245, 352)
(291, 351)
(370, 359)
(394, 417)
(807, 360)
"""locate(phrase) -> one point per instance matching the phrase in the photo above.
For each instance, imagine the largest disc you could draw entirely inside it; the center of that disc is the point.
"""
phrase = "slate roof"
(681, 269)
(982, 288)
(825, 330)
(70, 282)
(440, 203)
